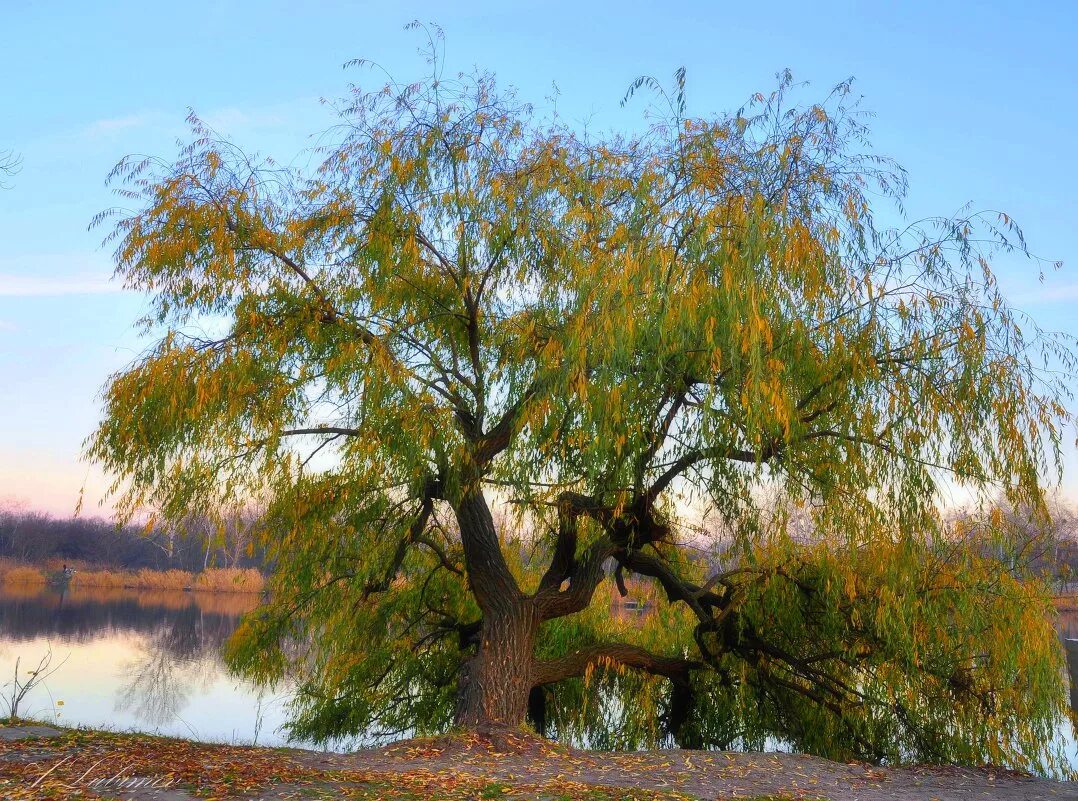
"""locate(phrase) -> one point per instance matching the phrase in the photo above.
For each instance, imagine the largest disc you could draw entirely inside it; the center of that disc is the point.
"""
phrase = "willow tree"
(481, 369)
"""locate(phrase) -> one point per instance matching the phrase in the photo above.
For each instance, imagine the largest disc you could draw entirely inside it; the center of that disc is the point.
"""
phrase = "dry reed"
(229, 579)
(23, 574)
(102, 578)
(164, 580)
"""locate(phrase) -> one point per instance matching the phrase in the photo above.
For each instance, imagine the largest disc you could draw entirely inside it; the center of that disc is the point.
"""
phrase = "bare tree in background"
(10, 162)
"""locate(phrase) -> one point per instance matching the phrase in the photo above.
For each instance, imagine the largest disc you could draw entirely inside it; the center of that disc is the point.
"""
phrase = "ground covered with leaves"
(455, 768)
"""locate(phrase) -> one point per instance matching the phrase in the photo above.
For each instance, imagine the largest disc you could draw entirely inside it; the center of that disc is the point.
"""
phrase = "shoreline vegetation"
(1066, 601)
(223, 579)
(213, 579)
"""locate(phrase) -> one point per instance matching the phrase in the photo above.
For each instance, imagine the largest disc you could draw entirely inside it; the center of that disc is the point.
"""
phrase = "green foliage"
(609, 335)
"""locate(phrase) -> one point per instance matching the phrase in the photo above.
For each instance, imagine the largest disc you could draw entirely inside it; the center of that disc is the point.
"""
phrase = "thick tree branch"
(564, 559)
(577, 663)
(499, 437)
(585, 579)
(491, 581)
(677, 589)
(696, 456)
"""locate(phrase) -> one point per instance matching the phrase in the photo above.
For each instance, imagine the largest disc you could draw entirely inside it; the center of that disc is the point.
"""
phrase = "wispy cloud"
(7, 325)
(226, 120)
(288, 124)
(1046, 295)
(116, 124)
(24, 286)
(26, 275)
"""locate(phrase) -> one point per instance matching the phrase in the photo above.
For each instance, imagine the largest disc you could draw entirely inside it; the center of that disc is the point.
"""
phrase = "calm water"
(1068, 630)
(150, 661)
(137, 660)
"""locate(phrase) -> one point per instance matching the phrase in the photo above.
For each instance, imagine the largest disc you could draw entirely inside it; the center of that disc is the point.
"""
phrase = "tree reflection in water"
(158, 683)
(177, 639)
(1072, 667)
(180, 656)
(141, 660)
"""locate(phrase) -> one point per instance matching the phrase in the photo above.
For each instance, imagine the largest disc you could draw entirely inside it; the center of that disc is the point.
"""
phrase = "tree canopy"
(486, 373)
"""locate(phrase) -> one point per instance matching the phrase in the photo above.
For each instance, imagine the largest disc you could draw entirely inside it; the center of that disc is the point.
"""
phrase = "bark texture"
(495, 683)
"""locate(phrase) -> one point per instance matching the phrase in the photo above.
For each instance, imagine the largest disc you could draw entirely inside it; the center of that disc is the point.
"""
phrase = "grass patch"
(163, 579)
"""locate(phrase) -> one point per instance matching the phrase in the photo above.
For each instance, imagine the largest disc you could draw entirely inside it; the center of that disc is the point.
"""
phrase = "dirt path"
(702, 774)
(49, 764)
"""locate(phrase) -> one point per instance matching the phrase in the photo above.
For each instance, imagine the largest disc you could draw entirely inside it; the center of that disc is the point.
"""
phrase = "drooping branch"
(414, 533)
(443, 557)
(345, 432)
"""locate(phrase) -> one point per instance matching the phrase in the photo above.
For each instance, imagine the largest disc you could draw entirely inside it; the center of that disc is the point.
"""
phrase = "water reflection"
(150, 661)
(145, 660)
(1068, 630)
(80, 614)
(158, 683)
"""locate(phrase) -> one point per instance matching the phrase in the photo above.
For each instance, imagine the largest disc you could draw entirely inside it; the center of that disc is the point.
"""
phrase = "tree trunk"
(680, 718)
(496, 682)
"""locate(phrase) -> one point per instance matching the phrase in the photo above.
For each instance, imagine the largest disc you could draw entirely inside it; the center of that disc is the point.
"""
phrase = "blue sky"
(976, 99)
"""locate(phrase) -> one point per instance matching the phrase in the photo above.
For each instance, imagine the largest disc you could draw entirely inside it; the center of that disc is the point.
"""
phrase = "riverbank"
(1066, 602)
(65, 763)
(228, 579)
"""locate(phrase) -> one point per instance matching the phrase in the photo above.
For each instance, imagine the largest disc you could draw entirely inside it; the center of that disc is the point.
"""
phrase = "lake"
(150, 661)
(137, 660)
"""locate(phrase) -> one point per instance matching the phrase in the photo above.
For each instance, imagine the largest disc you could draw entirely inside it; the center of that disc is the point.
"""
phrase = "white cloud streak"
(114, 125)
(1046, 295)
(29, 286)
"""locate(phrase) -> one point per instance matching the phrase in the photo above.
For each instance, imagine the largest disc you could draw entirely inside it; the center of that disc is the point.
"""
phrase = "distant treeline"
(191, 545)
(195, 544)
(1023, 546)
